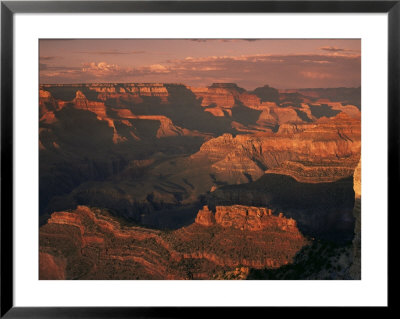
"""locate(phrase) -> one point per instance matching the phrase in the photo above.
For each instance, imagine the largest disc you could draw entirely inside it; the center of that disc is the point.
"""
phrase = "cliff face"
(118, 89)
(309, 152)
(325, 150)
(205, 217)
(254, 111)
(274, 116)
(223, 95)
(154, 153)
(347, 96)
(215, 96)
(245, 218)
(166, 129)
(88, 244)
(81, 102)
(355, 269)
(324, 260)
(117, 118)
(47, 106)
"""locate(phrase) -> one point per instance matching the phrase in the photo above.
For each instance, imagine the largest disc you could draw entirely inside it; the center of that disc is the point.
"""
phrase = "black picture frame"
(9, 8)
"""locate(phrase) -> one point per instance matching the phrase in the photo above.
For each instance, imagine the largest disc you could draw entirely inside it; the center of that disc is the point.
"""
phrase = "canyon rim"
(200, 159)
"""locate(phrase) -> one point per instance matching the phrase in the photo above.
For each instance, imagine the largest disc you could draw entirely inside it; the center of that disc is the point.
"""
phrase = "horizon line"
(180, 83)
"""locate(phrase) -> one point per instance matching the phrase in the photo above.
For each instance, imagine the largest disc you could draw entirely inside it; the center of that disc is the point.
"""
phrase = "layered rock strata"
(324, 151)
(48, 105)
(90, 244)
(245, 218)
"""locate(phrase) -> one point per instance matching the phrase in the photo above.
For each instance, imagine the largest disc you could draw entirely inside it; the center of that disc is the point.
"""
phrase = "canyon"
(164, 180)
(87, 244)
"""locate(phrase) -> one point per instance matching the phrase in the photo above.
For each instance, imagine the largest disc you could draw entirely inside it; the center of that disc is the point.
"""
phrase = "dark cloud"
(62, 68)
(47, 58)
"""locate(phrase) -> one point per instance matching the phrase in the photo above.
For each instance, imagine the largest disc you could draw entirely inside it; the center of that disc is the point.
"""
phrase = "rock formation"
(324, 151)
(51, 267)
(205, 217)
(346, 96)
(223, 95)
(154, 153)
(245, 218)
(89, 244)
(81, 102)
(355, 269)
(47, 106)
(116, 115)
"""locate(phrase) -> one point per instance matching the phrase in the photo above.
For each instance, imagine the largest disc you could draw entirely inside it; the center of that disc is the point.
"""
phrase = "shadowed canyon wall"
(153, 154)
(355, 269)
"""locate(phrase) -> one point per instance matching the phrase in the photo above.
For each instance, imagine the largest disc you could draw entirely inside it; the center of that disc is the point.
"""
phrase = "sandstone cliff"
(117, 118)
(47, 106)
(324, 151)
(245, 218)
(89, 244)
(355, 269)
(221, 95)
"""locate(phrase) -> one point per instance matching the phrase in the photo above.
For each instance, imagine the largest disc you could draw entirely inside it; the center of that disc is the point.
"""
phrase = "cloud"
(271, 58)
(58, 68)
(157, 68)
(110, 52)
(282, 71)
(335, 49)
(101, 66)
(59, 74)
(317, 61)
(250, 71)
(47, 58)
(316, 75)
(114, 71)
(223, 40)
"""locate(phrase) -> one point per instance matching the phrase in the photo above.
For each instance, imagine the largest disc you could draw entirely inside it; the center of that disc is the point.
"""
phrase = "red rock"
(205, 217)
(334, 143)
(216, 111)
(225, 96)
(90, 244)
(50, 267)
(81, 102)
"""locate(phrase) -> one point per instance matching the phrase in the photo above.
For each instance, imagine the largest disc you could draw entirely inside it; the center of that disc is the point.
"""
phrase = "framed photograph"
(163, 155)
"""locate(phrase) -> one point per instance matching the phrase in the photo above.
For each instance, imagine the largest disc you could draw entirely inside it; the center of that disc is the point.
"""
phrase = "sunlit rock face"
(355, 269)
(223, 95)
(47, 106)
(357, 181)
(113, 90)
(347, 96)
(89, 244)
(132, 121)
(154, 154)
(324, 151)
(205, 217)
(245, 218)
(81, 102)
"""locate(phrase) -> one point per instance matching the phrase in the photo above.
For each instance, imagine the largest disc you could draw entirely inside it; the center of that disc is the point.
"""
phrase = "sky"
(251, 63)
